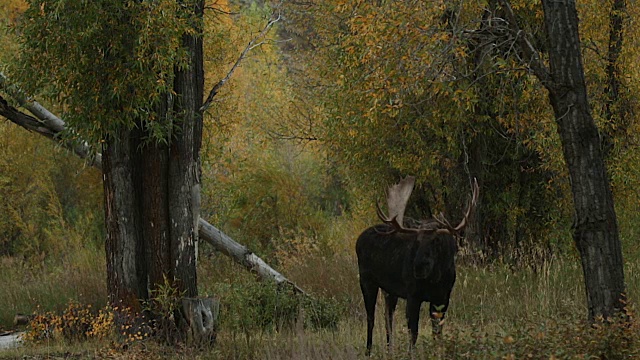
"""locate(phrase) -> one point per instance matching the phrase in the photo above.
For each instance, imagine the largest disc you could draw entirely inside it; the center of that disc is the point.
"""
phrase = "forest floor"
(496, 312)
(546, 339)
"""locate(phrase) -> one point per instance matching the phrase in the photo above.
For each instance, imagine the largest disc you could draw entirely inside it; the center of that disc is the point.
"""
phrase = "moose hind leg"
(390, 301)
(369, 295)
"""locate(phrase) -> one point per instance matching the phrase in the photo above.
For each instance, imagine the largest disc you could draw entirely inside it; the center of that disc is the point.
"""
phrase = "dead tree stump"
(201, 317)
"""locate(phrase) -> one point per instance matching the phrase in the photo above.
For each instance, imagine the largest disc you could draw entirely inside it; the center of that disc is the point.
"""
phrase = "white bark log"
(53, 122)
(241, 254)
(50, 121)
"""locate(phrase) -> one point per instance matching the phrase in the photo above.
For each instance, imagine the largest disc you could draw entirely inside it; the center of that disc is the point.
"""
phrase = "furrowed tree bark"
(122, 219)
(154, 169)
(184, 157)
(595, 228)
(152, 189)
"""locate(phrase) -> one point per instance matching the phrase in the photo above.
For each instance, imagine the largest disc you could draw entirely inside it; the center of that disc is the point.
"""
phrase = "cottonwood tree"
(150, 125)
(129, 75)
(44, 122)
(595, 227)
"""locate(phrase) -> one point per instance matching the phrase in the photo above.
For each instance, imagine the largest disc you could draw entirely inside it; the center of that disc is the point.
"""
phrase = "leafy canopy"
(107, 63)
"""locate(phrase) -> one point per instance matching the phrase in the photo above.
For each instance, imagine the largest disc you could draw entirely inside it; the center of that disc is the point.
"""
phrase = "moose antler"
(447, 228)
(397, 198)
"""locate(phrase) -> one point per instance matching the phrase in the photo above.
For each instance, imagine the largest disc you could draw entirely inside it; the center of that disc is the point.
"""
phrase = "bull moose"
(416, 264)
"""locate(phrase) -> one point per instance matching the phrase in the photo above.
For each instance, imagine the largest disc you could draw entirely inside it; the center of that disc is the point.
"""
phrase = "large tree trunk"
(595, 228)
(219, 240)
(152, 192)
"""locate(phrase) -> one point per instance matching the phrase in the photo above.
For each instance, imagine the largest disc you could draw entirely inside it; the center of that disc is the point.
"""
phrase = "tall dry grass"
(27, 287)
(497, 310)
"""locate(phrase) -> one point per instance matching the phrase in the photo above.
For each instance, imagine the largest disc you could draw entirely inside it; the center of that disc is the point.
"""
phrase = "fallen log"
(241, 254)
(201, 318)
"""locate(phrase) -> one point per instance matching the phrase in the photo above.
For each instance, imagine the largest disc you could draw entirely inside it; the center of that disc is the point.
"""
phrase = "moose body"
(416, 264)
(417, 267)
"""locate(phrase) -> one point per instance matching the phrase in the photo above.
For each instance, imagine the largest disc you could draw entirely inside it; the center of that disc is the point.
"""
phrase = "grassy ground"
(27, 287)
(496, 312)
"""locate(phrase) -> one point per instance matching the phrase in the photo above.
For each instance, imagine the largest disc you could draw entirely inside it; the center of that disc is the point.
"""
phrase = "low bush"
(79, 322)
(266, 306)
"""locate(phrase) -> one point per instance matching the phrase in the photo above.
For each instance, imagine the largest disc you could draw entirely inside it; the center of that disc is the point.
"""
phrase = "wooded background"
(338, 100)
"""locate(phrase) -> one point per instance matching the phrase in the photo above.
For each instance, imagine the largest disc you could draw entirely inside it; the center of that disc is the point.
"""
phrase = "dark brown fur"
(418, 267)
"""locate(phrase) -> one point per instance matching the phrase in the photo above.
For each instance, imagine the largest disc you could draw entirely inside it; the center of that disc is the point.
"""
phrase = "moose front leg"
(437, 313)
(413, 317)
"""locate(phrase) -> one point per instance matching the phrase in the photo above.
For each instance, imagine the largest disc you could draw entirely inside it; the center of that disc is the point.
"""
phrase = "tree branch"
(26, 121)
(44, 115)
(252, 44)
(44, 123)
(241, 254)
(531, 54)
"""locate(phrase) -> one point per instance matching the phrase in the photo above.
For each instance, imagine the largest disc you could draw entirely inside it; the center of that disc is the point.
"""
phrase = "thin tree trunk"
(595, 228)
(614, 111)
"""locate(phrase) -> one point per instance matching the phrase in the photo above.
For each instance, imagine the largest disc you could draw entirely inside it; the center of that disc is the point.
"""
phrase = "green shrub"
(267, 306)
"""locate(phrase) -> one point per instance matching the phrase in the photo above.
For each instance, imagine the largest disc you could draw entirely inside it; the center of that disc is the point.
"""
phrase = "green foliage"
(164, 299)
(276, 196)
(10, 13)
(265, 191)
(163, 307)
(411, 97)
(257, 306)
(44, 201)
(410, 89)
(106, 64)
